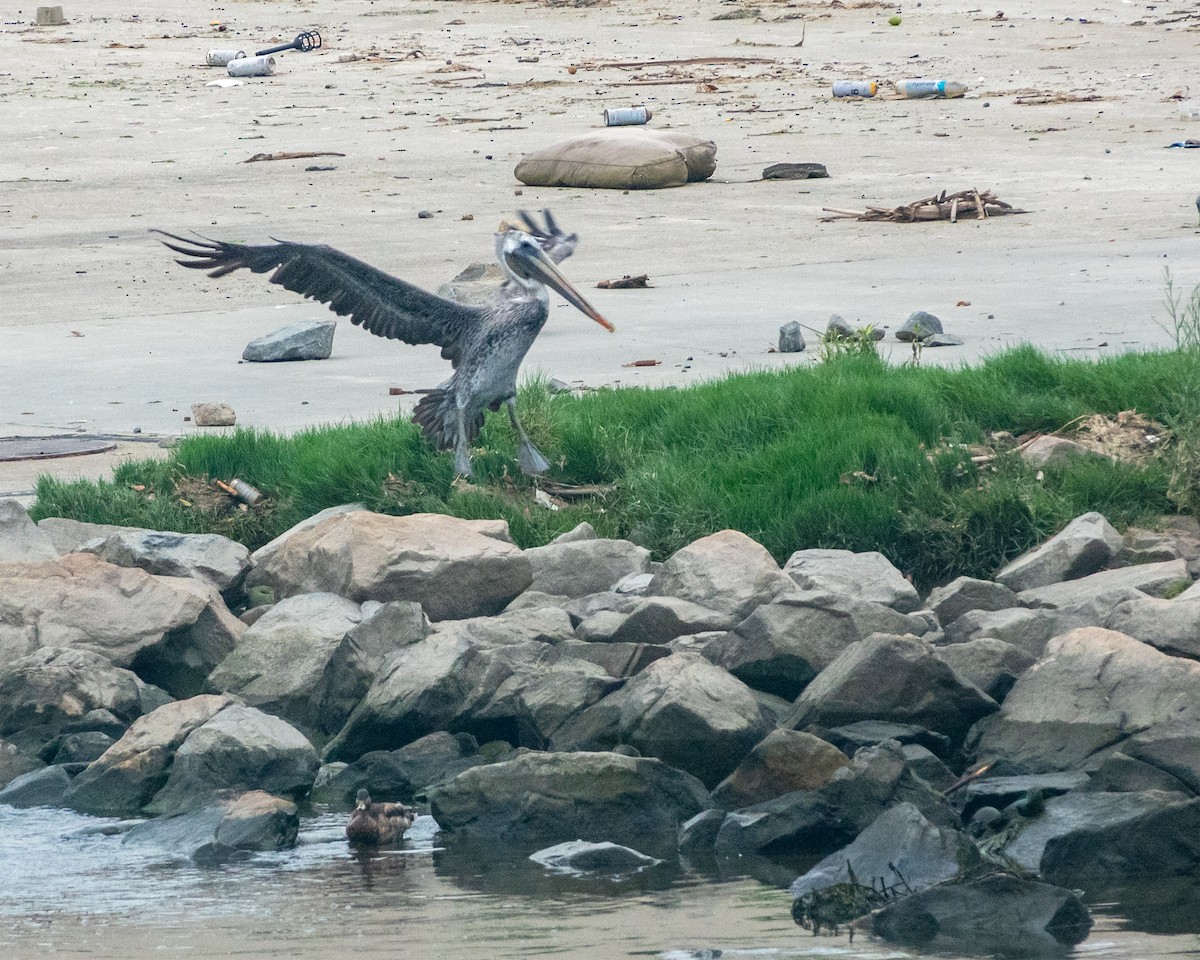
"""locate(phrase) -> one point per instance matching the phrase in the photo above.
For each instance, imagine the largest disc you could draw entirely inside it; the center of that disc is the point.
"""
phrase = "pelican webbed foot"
(530, 459)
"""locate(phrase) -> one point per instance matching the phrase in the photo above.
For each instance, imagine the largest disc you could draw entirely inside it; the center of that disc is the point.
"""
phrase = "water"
(69, 890)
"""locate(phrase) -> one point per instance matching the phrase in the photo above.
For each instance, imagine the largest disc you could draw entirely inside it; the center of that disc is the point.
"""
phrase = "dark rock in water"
(999, 792)
(782, 762)
(579, 857)
(901, 850)
(791, 338)
(226, 830)
(542, 798)
(311, 340)
(395, 776)
(867, 733)
(995, 914)
(795, 171)
(698, 836)
(14, 762)
(38, 788)
(919, 326)
(77, 747)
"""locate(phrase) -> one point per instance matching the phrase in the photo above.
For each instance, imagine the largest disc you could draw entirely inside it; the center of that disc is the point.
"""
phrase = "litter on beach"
(943, 206)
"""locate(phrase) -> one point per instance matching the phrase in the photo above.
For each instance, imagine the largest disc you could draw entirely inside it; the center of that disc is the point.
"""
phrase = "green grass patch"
(851, 453)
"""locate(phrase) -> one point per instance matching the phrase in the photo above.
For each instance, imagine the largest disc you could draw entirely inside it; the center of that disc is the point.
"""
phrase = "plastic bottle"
(626, 116)
(926, 89)
(855, 88)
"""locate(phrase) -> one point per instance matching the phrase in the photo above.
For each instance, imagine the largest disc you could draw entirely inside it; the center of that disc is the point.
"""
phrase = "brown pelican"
(374, 824)
(485, 344)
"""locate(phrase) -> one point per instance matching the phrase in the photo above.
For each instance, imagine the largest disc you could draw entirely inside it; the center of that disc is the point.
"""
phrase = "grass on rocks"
(851, 453)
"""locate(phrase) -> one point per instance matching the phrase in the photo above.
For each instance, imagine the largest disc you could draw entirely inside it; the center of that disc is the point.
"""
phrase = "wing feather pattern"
(378, 302)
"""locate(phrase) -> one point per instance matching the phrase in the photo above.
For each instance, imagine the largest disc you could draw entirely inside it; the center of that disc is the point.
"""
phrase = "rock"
(218, 560)
(782, 762)
(546, 798)
(620, 660)
(794, 171)
(781, 646)
(1049, 451)
(839, 327)
(637, 584)
(999, 914)
(894, 678)
(287, 663)
(453, 568)
(397, 776)
(310, 340)
(698, 836)
(919, 326)
(864, 576)
(14, 761)
(1152, 579)
(68, 535)
(38, 788)
(654, 620)
(578, 858)
(1147, 546)
(942, 340)
(726, 571)
(227, 829)
(791, 338)
(42, 692)
(541, 625)
(21, 541)
(213, 414)
(76, 747)
(1000, 792)
(1093, 689)
(900, 849)
(575, 568)
(1172, 626)
(128, 775)
(581, 531)
(1084, 546)
(1106, 839)
(991, 664)
(475, 286)
(386, 628)
(867, 733)
(1121, 774)
(926, 765)
(265, 554)
(682, 709)
(965, 594)
(240, 748)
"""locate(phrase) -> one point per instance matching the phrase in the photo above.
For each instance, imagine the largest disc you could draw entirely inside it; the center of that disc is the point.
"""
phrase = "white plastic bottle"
(927, 89)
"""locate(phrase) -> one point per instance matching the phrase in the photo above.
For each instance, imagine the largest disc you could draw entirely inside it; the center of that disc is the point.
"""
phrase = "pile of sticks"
(945, 206)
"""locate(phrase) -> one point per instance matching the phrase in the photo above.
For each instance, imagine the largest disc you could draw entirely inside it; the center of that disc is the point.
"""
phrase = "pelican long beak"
(539, 266)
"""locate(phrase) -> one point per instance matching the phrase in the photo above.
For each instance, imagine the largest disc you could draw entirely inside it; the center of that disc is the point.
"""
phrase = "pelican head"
(527, 265)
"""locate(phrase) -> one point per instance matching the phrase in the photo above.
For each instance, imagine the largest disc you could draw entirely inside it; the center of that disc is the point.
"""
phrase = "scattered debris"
(941, 206)
(643, 363)
(625, 283)
(308, 40)
(795, 171)
(292, 155)
(1037, 99)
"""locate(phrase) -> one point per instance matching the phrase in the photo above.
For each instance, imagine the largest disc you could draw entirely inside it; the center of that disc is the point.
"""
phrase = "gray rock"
(864, 576)
(386, 628)
(1094, 689)
(1152, 579)
(579, 858)
(309, 340)
(265, 554)
(21, 541)
(1147, 546)
(852, 737)
(839, 327)
(942, 340)
(453, 568)
(920, 325)
(576, 568)
(726, 571)
(900, 848)
(397, 776)
(535, 600)
(966, 594)
(38, 788)
(1084, 546)
(67, 535)
(1172, 626)
(545, 798)
(1122, 774)
(476, 285)
(791, 338)
(77, 747)
(682, 709)
(581, 531)
(894, 678)
(995, 914)
(1000, 792)
(294, 662)
(227, 829)
(991, 664)
(653, 620)
(1051, 451)
(14, 761)
(240, 748)
(620, 660)
(926, 765)
(213, 413)
(698, 836)
(784, 761)
(216, 559)
(540, 625)
(637, 584)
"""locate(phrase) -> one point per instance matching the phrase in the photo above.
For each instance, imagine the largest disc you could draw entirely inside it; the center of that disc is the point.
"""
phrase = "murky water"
(69, 890)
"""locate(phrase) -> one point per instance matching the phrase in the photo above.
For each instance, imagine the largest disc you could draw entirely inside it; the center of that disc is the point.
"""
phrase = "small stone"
(839, 327)
(791, 338)
(425, 215)
(919, 326)
(214, 414)
(50, 17)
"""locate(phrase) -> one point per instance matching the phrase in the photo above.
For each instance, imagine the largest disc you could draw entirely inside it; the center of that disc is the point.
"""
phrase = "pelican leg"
(529, 457)
(462, 455)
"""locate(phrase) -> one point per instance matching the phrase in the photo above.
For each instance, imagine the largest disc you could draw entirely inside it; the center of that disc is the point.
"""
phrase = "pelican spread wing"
(378, 302)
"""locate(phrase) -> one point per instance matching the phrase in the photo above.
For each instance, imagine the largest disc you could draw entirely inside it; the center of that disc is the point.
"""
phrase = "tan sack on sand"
(620, 159)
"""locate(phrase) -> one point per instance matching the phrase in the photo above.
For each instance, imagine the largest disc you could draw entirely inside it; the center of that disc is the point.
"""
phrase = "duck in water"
(375, 824)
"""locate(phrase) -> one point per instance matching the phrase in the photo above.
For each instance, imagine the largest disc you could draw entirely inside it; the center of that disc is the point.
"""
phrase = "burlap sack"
(620, 158)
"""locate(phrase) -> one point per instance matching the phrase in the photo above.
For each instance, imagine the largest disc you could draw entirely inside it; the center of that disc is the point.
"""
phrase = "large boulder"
(215, 559)
(1152, 579)
(652, 620)
(782, 762)
(287, 663)
(895, 678)
(453, 568)
(900, 849)
(1083, 546)
(546, 798)
(229, 828)
(964, 594)
(538, 625)
(42, 692)
(726, 571)
(38, 788)
(1093, 690)
(991, 664)
(14, 761)
(1172, 626)
(397, 776)
(682, 709)
(864, 576)
(574, 568)
(20, 539)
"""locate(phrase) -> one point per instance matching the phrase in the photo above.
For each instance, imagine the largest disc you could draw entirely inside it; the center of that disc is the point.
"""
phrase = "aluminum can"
(626, 116)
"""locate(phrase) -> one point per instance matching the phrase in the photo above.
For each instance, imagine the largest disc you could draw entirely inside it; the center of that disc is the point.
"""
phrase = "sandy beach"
(114, 129)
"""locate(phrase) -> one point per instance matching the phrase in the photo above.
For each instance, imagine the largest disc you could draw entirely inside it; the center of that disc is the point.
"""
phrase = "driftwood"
(292, 155)
(626, 283)
(942, 206)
